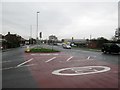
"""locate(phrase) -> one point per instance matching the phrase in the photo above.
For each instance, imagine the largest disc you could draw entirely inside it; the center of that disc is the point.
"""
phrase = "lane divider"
(69, 58)
(88, 57)
(91, 57)
(25, 62)
(50, 59)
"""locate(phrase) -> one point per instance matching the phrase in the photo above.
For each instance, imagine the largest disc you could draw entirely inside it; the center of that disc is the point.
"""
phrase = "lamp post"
(37, 30)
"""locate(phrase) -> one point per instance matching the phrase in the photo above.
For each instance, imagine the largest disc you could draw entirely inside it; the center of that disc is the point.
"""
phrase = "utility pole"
(37, 30)
(90, 37)
(31, 31)
(30, 34)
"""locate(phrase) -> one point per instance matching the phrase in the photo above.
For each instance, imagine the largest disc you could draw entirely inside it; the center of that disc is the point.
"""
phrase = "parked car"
(66, 46)
(110, 48)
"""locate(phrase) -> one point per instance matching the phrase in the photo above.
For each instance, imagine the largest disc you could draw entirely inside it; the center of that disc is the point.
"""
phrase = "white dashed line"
(25, 62)
(50, 59)
(69, 58)
(27, 65)
(5, 61)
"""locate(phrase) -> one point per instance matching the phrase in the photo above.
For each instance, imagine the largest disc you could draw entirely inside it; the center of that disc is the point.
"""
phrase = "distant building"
(52, 39)
(74, 40)
(78, 42)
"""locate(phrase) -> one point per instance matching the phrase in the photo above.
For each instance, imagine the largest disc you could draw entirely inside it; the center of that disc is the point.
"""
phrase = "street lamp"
(37, 30)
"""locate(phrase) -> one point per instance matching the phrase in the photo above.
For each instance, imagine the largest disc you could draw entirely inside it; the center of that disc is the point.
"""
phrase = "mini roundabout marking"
(73, 71)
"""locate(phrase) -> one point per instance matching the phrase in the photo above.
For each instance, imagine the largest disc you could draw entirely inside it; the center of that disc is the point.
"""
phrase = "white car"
(66, 46)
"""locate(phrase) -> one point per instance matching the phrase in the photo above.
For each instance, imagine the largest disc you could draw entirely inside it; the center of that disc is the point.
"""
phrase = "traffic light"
(40, 34)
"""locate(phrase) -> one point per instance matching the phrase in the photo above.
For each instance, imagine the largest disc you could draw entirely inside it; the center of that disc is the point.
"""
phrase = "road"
(37, 70)
(111, 58)
(15, 77)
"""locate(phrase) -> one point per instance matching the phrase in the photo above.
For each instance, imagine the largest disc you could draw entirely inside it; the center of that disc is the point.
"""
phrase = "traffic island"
(41, 50)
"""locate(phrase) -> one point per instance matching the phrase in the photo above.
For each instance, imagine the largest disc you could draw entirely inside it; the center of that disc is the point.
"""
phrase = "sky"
(62, 19)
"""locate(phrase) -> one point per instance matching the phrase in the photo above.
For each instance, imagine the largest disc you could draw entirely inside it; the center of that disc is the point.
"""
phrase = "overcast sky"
(63, 19)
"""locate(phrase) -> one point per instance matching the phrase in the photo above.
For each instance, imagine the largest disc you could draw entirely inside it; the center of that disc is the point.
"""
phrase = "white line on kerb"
(50, 59)
(69, 58)
(25, 62)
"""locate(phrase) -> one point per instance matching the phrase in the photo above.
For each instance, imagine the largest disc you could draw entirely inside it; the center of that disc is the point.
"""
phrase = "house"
(12, 41)
(52, 39)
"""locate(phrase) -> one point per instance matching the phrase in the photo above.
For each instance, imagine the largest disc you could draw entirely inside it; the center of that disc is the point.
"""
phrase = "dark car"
(110, 48)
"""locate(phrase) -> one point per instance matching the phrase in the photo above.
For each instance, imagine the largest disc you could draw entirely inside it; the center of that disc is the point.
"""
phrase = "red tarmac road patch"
(46, 64)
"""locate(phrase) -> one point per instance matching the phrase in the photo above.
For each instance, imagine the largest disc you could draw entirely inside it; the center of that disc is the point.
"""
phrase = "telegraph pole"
(37, 30)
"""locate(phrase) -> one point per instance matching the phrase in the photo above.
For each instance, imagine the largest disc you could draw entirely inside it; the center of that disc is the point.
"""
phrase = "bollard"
(28, 49)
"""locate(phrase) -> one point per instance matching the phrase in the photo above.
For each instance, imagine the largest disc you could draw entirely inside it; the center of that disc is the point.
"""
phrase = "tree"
(100, 41)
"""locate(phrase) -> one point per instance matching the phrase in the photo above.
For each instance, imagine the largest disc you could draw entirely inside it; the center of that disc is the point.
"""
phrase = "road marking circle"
(73, 71)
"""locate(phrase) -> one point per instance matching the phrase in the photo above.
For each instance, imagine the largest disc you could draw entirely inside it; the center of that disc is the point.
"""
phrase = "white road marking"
(82, 70)
(69, 58)
(44, 54)
(17, 67)
(88, 57)
(91, 57)
(27, 65)
(7, 68)
(55, 54)
(25, 62)
(5, 61)
(50, 59)
(76, 60)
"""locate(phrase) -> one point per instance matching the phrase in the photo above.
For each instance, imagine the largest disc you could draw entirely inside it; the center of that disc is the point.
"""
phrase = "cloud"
(63, 19)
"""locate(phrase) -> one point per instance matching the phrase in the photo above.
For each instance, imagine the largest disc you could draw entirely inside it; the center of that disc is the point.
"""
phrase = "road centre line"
(25, 62)
(69, 58)
(50, 59)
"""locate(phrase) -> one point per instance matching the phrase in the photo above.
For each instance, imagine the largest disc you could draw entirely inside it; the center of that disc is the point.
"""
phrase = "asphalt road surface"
(13, 77)
(71, 68)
